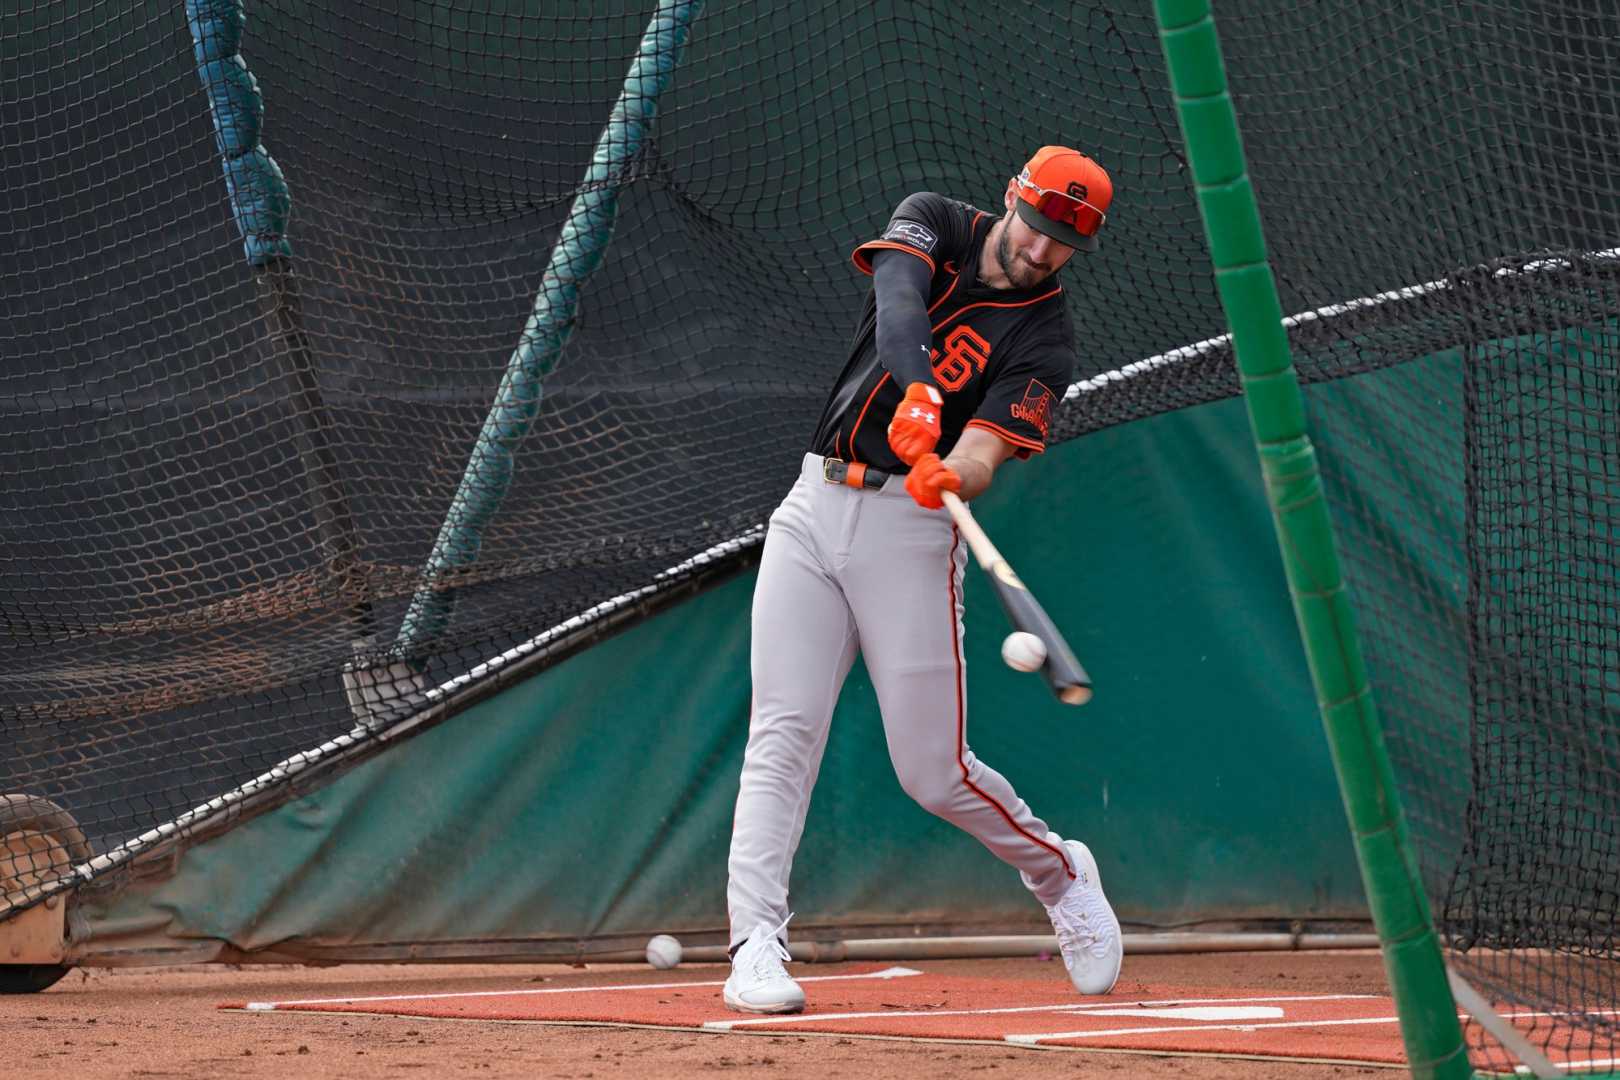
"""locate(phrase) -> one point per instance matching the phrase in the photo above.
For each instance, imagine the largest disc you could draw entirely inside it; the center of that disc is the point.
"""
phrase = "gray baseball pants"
(847, 570)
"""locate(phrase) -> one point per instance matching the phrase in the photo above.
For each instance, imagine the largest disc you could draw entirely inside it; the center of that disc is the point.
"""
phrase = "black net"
(1442, 204)
(228, 464)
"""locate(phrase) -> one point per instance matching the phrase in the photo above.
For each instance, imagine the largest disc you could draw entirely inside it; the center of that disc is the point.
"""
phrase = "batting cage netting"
(327, 400)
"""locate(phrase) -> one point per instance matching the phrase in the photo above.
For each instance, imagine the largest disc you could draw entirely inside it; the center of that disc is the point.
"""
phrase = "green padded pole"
(578, 252)
(262, 206)
(1400, 910)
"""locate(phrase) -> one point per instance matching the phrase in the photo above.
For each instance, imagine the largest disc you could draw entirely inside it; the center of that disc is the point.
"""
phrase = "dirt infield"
(166, 1023)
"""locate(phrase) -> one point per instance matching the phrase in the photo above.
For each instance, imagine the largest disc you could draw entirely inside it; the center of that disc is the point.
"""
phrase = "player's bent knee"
(935, 792)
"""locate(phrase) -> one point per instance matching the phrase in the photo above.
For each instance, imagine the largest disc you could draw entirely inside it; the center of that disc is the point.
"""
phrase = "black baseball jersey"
(1002, 357)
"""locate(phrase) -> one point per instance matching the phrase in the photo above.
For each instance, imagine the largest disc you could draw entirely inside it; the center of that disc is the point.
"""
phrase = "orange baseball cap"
(1065, 195)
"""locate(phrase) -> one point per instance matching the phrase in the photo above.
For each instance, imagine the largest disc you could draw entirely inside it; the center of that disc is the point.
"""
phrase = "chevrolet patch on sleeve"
(912, 235)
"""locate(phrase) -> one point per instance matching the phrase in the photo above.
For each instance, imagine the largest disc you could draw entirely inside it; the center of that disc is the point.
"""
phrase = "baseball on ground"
(1023, 651)
(663, 952)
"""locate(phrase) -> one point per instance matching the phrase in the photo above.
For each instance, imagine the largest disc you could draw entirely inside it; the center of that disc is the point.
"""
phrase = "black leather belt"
(852, 474)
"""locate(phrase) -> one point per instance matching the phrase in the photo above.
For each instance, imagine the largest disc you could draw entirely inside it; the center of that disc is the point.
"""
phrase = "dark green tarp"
(595, 799)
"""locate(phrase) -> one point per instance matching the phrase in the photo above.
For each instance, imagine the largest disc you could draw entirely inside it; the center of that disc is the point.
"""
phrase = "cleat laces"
(766, 953)
(1081, 922)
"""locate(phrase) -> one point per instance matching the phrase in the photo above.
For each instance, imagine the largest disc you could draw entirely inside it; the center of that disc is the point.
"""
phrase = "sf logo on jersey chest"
(965, 353)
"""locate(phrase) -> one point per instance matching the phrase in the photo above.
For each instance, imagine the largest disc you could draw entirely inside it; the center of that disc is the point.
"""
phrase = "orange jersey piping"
(862, 416)
(993, 303)
(961, 720)
(1006, 436)
(865, 265)
(955, 280)
(946, 294)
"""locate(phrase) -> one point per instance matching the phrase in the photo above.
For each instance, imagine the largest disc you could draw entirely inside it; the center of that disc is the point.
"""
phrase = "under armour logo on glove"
(914, 431)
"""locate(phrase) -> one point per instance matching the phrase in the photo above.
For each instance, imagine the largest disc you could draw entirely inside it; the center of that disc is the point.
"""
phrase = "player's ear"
(1011, 194)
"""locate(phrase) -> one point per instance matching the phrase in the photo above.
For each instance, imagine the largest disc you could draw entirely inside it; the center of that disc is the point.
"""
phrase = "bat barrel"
(1063, 672)
(1075, 695)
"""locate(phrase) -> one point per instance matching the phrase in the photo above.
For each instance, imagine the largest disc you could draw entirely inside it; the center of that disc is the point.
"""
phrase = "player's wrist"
(923, 391)
(974, 474)
(915, 429)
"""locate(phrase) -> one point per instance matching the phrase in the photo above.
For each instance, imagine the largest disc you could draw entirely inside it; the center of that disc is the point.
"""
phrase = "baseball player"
(962, 351)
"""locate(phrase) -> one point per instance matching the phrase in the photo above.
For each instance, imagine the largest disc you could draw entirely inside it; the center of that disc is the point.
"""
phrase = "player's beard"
(1020, 271)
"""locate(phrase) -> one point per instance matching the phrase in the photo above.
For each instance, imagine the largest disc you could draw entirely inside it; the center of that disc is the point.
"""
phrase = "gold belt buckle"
(829, 470)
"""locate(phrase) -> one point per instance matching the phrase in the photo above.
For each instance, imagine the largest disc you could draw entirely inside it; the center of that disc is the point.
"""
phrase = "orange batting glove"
(914, 431)
(928, 477)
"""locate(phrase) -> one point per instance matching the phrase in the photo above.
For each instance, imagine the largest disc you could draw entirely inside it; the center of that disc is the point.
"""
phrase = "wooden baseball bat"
(1063, 672)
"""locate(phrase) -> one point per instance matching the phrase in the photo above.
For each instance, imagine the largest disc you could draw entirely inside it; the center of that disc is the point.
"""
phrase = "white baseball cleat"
(1087, 929)
(759, 983)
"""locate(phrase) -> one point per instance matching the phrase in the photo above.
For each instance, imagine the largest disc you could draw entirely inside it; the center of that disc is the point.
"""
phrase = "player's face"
(1026, 256)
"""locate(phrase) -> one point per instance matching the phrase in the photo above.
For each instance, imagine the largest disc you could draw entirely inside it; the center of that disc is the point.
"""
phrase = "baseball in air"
(663, 952)
(1023, 651)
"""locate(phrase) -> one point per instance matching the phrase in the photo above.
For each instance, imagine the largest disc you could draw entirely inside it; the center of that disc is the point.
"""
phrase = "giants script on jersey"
(1036, 408)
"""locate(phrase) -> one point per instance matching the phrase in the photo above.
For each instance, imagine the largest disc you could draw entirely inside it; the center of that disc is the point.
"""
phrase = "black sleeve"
(1018, 404)
(900, 284)
(926, 225)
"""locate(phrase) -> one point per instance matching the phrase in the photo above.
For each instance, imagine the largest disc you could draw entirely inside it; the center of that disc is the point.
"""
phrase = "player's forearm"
(976, 475)
(975, 458)
(900, 282)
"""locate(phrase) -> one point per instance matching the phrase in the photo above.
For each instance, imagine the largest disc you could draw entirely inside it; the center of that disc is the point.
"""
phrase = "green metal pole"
(1400, 910)
(579, 251)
